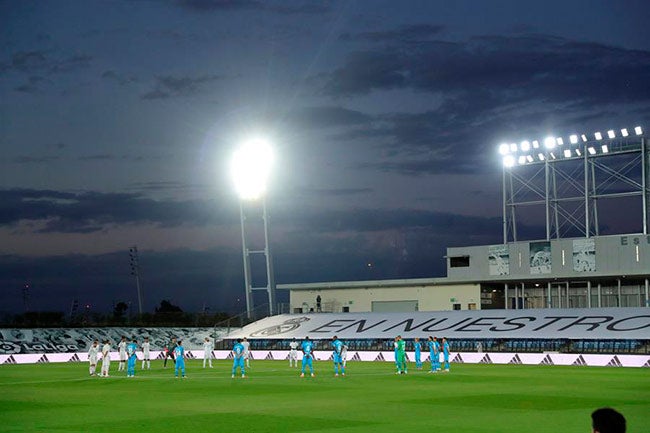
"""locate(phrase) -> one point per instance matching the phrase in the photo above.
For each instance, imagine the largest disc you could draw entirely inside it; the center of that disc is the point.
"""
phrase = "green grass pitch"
(371, 398)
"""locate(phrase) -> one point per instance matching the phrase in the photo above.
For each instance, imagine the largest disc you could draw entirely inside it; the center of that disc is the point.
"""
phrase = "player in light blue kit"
(307, 356)
(418, 353)
(445, 352)
(238, 358)
(337, 357)
(434, 353)
(132, 357)
(179, 356)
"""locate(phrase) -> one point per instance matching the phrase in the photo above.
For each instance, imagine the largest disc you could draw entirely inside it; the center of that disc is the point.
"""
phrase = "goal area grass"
(273, 398)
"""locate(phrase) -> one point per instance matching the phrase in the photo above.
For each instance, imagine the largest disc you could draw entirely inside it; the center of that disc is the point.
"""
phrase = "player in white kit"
(121, 346)
(92, 357)
(208, 347)
(145, 353)
(247, 352)
(293, 353)
(106, 358)
(344, 354)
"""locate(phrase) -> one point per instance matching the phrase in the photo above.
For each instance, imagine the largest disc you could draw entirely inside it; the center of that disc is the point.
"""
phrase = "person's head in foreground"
(607, 420)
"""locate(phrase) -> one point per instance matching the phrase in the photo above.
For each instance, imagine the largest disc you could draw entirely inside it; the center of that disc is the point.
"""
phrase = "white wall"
(359, 300)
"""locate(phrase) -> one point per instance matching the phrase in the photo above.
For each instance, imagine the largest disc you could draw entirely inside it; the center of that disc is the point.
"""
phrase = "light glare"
(525, 146)
(535, 144)
(513, 147)
(522, 159)
(250, 168)
(573, 139)
(504, 148)
(549, 142)
(508, 161)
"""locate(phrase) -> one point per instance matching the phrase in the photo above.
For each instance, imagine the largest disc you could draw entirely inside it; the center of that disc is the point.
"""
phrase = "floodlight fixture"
(508, 161)
(611, 134)
(251, 168)
(504, 148)
(638, 130)
(552, 155)
(549, 142)
(567, 153)
(535, 144)
(541, 156)
(584, 138)
(591, 150)
(524, 146)
(559, 141)
(604, 148)
(513, 147)
(598, 136)
(578, 152)
(522, 159)
(573, 138)
(624, 132)
(529, 158)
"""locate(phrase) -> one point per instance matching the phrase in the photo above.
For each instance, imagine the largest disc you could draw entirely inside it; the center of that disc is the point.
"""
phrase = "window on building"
(471, 306)
(456, 306)
(459, 262)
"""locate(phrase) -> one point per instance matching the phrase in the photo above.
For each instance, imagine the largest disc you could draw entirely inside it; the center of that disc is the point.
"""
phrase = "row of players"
(241, 355)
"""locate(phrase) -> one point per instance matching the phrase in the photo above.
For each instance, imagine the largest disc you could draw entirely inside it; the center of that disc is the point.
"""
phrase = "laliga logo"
(282, 328)
(7, 347)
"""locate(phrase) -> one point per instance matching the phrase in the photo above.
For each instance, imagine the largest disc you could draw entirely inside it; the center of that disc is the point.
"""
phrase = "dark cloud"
(31, 86)
(334, 191)
(170, 86)
(118, 78)
(415, 32)
(101, 157)
(283, 7)
(328, 116)
(48, 62)
(93, 211)
(35, 159)
(509, 68)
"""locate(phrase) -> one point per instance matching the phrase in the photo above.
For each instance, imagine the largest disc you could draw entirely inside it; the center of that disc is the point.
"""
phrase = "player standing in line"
(434, 354)
(106, 358)
(208, 347)
(247, 352)
(238, 358)
(131, 350)
(169, 351)
(179, 359)
(445, 352)
(418, 353)
(92, 357)
(121, 347)
(293, 353)
(395, 355)
(145, 354)
(401, 355)
(307, 348)
(337, 345)
(344, 354)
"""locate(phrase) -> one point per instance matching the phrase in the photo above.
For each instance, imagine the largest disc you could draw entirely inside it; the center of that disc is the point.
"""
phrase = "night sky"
(118, 119)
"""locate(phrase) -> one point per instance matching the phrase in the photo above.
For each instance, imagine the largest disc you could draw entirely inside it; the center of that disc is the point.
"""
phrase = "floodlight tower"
(250, 169)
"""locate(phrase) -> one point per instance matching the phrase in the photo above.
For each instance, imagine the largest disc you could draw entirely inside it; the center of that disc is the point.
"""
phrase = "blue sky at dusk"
(118, 119)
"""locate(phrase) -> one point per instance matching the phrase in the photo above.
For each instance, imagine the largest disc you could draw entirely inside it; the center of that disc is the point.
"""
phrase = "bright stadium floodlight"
(508, 161)
(584, 138)
(513, 147)
(591, 150)
(638, 130)
(549, 142)
(604, 148)
(524, 146)
(541, 156)
(611, 134)
(251, 167)
(552, 155)
(535, 144)
(529, 158)
(624, 132)
(578, 152)
(567, 153)
(522, 159)
(504, 148)
(598, 136)
(559, 141)
(573, 139)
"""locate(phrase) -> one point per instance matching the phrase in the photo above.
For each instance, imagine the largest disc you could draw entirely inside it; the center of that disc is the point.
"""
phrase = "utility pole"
(135, 271)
